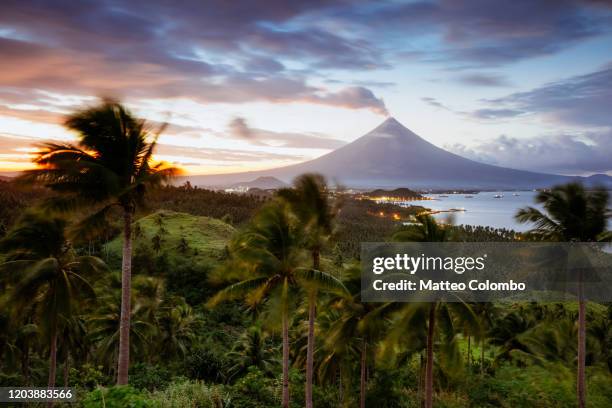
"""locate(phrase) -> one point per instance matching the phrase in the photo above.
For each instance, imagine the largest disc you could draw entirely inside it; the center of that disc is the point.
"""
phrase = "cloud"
(233, 54)
(354, 97)
(483, 79)
(564, 153)
(437, 104)
(582, 100)
(16, 144)
(490, 33)
(197, 154)
(239, 128)
(497, 113)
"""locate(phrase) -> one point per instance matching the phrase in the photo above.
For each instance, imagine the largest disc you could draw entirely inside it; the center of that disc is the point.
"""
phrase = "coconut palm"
(104, 330)
(571, 214)
(354, 332)
(49, 278)
(253, 349)
(111, 166)
(426, 229)
(178, 324)
(266, 260)
(309, 201)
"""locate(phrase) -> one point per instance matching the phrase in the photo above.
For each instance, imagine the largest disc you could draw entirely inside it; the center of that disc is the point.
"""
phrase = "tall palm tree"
(309, 201)
(103, 323)
(266, 260)
(110, 166)
(571, 214)
(47, 273)
(356, 329)
(427, 229)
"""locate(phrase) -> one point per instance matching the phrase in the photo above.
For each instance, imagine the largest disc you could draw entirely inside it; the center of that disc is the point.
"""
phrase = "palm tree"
(253, 349)
(103, 323)
(110, 166)
(309, 201)
(356, 329)
(178, 324)
(571, 214)
(426, 229)
(47, 273)
(267, 260)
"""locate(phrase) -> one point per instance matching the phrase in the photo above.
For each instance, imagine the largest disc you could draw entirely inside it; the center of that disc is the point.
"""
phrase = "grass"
(199, 237)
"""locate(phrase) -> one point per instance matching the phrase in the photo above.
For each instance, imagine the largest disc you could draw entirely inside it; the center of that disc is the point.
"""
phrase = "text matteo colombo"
(413, 264)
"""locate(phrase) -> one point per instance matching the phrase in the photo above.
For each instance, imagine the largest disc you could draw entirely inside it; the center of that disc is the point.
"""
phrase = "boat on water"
(498, 196)
(516, 194)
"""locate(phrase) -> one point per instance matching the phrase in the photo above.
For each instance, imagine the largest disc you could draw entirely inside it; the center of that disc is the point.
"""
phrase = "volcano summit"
(393, 156)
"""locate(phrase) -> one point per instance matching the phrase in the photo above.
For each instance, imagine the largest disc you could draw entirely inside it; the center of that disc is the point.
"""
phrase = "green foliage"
(230, 208)
(535, 386)
(149, 377)
(192, 394)
(388, 389)
(203, 239)
(185, 355)
(14, 199)
(361, 221)
(118, 397)
(206, 363)
(88, 377)
(255, 390)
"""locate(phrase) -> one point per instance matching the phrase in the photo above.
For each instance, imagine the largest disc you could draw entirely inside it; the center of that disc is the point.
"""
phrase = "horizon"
(280, 84)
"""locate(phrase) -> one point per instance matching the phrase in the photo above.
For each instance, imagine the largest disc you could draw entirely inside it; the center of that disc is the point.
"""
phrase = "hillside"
(173, 232)
(263, 183)
(399, 193)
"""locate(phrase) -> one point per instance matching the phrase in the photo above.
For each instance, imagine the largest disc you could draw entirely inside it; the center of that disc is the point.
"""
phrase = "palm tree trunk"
(52, 359)
(126, 284)
(310, 347)
(482, 354)
(581, 380)
(25, 363)
(66, 370)
(311, 336)
(429, 362)
(421, 380)
(362, 381)
(340, 388)
(285, 398)
(469, 354)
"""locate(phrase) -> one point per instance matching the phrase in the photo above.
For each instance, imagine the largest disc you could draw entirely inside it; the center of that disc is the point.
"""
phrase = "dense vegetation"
(244, 302)
(398, 193)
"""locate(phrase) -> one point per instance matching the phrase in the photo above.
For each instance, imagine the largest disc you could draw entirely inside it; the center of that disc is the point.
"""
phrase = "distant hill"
(263, 183)
(399, 193)
(392, 156)
(204, 237)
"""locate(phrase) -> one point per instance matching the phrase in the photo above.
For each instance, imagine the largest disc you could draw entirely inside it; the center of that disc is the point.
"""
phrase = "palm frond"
(321, 280)
(236, 290)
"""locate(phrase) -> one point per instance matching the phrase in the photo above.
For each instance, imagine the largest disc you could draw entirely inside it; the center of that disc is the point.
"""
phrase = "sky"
(256, 84)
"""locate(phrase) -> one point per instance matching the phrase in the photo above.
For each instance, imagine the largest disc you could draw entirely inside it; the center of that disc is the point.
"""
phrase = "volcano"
(393, 156)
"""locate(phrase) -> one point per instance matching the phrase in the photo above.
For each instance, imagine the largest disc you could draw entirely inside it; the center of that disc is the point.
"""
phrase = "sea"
(482, 208)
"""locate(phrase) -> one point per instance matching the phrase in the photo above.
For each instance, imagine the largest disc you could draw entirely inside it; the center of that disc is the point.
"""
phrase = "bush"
(533, 386)
(192, 394)
(150, 377)
(255, 390)
(205, 364)
(118, 397)
(88, 377)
